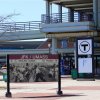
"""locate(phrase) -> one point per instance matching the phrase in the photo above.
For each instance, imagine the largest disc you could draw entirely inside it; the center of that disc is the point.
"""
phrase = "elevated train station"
(81, 19)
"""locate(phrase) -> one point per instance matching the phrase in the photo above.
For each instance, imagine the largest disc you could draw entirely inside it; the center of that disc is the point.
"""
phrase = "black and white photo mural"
(33, 68)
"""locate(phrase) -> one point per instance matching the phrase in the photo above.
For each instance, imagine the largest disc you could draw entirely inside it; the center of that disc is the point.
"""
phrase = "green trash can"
(74, 73)
(5, 77)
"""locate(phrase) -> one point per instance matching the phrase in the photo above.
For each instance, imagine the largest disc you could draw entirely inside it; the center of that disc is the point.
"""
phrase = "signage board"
(85, 65)
(33, 67)
(85, 47)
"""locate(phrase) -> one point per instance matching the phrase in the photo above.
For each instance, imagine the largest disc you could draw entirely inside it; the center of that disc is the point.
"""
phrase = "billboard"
(33, 68)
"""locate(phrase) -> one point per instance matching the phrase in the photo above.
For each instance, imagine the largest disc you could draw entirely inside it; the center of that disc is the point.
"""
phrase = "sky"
(27, 10)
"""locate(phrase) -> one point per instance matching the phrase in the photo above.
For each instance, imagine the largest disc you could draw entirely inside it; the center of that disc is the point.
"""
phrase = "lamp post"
(49, 46)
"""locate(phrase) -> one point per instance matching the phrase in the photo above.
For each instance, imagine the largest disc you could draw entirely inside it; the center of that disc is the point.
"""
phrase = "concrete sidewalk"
(72, 90)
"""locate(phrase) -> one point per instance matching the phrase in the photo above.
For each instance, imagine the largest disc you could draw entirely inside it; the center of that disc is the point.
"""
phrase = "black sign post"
(59, 92)
(8, 93)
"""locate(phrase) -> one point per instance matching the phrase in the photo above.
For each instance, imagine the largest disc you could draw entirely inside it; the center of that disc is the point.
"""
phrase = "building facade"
(81, 19)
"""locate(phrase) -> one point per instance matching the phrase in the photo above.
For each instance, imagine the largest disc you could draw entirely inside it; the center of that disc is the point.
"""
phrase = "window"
(64, 43)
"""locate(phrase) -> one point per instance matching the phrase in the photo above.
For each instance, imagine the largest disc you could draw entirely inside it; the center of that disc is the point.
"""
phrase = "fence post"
(8, 93)
(59, 92)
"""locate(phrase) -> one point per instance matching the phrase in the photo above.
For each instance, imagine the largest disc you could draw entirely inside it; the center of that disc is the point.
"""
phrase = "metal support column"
(71, 15)
(60, 13)
(59, 92)
(8, 93)
(80, 16)
(95, 12)
(47, 12)
(54, 46)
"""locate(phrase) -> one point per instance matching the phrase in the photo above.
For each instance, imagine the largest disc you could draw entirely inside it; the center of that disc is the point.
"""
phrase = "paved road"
(72, 90)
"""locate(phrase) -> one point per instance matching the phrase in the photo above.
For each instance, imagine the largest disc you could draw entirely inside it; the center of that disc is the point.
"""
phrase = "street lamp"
(49, 46)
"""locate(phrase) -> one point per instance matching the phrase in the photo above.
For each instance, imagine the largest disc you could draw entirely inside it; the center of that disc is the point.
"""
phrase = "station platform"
(72, 90)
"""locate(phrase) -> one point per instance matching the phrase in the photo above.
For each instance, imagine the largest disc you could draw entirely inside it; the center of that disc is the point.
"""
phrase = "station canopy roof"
(20, 44)
(75, 4)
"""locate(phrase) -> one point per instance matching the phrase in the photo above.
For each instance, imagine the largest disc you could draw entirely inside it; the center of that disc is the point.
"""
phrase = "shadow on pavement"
(54, 96)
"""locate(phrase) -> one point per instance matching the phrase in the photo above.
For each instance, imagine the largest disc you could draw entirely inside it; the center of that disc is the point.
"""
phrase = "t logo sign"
(84, 47)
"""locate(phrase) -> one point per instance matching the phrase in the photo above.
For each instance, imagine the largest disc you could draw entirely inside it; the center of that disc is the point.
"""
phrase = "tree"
(4, 18)
(4, 25)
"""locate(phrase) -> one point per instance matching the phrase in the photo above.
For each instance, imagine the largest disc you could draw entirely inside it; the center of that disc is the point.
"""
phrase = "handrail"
(20, 26)
(65, 17)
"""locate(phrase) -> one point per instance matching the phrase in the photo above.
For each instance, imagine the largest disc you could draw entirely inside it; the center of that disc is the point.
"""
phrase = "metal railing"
(66, 17)
(19, 26)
